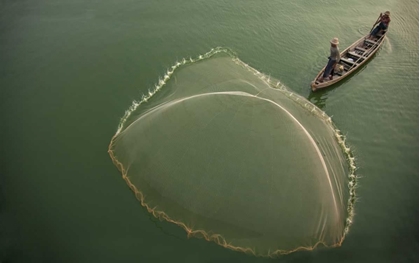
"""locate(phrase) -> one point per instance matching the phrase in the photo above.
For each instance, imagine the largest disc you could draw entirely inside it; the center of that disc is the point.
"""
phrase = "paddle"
(377, 20)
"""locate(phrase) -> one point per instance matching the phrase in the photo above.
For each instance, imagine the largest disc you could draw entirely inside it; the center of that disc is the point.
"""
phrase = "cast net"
(234, 157)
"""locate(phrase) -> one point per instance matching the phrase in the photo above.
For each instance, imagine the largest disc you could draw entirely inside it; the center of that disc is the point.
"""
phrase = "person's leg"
(374, 32)
(382, 27)
(328, 68)
(332, 69)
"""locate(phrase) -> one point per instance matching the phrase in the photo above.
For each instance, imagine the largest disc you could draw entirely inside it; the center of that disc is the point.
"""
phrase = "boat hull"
(352, 58)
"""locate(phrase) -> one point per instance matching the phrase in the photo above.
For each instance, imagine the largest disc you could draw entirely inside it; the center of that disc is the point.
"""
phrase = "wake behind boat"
(351, 59)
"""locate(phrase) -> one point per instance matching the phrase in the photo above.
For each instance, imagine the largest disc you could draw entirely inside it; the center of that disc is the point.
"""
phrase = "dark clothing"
(329, 69)
(332, 60)
(382, 26)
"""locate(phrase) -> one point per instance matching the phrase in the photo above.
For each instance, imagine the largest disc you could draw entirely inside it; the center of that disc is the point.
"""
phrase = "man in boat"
(383, 25)
(333, 59)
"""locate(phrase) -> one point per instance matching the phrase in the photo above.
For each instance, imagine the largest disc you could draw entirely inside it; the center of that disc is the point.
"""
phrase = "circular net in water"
(232, 156)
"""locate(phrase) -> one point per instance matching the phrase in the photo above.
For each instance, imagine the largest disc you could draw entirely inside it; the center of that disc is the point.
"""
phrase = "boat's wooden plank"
(348, 61)
(360, 49)
(354, 54)
(371, 42)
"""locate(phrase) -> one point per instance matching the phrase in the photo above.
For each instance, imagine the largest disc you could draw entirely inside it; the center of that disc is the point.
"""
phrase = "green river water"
(70, 69)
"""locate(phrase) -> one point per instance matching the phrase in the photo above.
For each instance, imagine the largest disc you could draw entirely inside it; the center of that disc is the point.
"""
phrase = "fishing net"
(234, 157)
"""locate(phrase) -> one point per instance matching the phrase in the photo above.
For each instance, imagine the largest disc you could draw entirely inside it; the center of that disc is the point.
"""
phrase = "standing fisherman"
(333, 59)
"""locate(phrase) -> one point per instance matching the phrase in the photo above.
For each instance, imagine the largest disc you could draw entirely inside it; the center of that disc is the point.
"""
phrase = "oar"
(377, 20)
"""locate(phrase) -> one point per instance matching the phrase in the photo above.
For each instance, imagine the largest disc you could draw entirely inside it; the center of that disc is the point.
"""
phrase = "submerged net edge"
(198, 233)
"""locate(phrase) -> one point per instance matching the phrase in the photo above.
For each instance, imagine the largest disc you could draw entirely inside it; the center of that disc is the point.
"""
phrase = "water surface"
(71, 68)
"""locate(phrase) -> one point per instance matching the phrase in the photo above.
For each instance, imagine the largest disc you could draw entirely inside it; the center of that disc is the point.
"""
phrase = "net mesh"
(234, 157)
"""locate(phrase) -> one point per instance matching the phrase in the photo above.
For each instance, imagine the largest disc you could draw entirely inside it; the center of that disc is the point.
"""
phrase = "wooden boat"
(351, 59)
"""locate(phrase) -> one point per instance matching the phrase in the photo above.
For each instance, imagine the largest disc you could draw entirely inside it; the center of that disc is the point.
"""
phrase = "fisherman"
(333, 59)
(383, 25)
